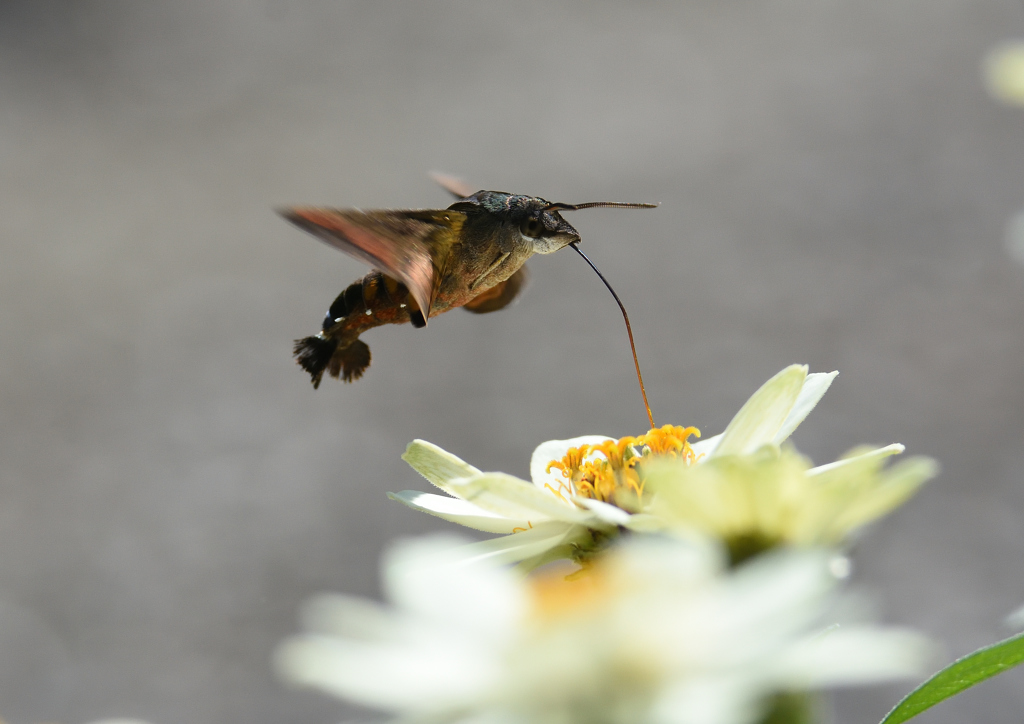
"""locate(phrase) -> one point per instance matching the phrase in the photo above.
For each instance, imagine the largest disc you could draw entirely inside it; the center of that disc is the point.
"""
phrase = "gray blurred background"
(835, 186)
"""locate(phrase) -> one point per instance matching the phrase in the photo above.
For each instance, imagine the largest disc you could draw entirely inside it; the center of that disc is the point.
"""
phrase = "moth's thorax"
(515, 220)
(483, 244)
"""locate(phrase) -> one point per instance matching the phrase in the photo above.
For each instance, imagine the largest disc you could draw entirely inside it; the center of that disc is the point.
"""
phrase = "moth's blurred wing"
(411, 246)
(500, 295)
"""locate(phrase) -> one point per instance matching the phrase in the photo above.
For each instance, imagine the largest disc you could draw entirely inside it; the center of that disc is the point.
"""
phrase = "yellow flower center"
(554, 595)
(612, 471)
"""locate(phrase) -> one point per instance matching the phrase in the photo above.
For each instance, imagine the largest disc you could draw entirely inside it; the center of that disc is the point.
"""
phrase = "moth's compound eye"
(532, 228)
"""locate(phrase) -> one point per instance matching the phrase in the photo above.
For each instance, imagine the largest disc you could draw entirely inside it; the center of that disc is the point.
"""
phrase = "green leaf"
(960, 675)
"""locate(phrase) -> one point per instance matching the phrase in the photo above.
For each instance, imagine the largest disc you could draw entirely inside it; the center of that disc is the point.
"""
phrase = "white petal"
(607, 512)
(511, 497)
(388, 677)
(761, 417)
(677, 564)
(645, 523)
(881, 452)
(708, 699)
(358, 619)
(893, 488)
(782, 587)
(526, 544)
(458, 511)
(706, 446)
(340, 615)
(435, 579)
(814, 388)
(856, 655)
(436, 464)
(553, 450)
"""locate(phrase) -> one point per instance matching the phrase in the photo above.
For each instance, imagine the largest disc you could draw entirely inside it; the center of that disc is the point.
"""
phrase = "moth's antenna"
(625, 316)
(598, 204)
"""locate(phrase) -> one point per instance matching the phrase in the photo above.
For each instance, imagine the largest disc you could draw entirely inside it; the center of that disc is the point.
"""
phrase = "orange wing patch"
(500, 295)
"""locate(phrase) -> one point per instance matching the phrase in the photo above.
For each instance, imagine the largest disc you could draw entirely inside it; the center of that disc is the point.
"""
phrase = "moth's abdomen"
(348, 301)
(373, 300)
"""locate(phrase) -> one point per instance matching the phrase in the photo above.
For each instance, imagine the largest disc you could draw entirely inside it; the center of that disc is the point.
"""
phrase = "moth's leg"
(498, 262)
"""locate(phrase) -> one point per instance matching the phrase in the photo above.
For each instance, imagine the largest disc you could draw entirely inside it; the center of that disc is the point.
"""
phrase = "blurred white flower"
(1014, 238)
(588, 488)
(1004, 73)
(1016, 619)
(655, 631)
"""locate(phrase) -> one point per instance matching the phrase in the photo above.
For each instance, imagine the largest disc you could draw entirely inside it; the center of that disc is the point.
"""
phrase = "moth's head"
(537, 220)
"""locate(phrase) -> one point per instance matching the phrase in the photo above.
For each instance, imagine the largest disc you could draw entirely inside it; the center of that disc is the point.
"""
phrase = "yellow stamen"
(612, 471)
(562, 487)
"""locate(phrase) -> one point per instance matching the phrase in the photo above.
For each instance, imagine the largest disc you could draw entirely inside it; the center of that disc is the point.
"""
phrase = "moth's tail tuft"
(314, 354)
(353, 360)
(322, 353)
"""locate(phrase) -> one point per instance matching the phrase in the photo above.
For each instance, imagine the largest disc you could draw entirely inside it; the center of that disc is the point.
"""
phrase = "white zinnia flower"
(656, 631)
(586, 489)
(756, 502)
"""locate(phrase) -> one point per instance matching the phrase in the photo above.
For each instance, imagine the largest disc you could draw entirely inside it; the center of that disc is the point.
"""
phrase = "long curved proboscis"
(457, 188)
(629, 331)
(622, 308)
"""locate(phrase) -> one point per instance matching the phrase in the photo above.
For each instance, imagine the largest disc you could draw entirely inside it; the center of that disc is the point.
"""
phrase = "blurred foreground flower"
(1004, 73)
(657, 630)
(1016, 620)
(587, 489)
